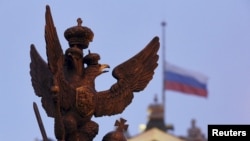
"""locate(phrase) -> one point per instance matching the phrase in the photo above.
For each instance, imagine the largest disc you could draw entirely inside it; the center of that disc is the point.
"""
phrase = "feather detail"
(132, 76)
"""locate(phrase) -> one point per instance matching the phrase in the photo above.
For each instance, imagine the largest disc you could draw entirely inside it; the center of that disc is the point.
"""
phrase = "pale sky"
(210, 37)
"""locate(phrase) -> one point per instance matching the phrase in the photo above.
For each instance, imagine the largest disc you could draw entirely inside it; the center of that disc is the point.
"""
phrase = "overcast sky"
(210, 37)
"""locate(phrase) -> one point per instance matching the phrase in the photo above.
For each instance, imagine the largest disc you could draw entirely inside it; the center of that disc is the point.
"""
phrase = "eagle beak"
(104, 67)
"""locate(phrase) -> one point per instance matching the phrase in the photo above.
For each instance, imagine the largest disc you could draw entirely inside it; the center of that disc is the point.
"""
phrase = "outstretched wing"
(41, 79)
(56, 61)
(53, 47)
(45, 75)
(132, 76)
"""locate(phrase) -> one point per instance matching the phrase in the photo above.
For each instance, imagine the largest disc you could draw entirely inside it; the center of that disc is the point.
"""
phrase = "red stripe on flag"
(185, 88)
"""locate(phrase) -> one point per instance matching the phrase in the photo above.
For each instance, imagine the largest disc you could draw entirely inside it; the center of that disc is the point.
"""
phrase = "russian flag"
(185, 81)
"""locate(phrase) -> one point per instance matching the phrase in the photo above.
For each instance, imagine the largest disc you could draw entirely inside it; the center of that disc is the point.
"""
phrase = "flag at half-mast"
(185, 81)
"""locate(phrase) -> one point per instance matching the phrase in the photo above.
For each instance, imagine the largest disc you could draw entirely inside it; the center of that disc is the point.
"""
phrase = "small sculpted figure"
(66, 82)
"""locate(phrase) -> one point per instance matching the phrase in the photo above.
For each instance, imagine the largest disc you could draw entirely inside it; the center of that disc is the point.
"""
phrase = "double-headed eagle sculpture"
(66, 82)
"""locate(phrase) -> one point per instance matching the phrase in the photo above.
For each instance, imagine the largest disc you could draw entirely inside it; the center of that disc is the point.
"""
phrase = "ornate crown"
(79, 35)
(91, 58)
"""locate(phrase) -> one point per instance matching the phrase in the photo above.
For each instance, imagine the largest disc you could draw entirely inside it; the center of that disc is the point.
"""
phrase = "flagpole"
(163, 24)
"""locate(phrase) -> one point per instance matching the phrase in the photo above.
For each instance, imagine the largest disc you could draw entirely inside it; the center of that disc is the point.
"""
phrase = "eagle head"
(73, 58)
(93, 67)
(96, 69)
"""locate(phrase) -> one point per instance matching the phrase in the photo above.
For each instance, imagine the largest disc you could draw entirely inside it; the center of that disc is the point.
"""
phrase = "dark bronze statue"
(66, 83)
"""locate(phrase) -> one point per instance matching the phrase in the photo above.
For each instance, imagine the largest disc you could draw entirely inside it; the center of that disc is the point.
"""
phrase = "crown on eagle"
(79, 35)
(92, 58)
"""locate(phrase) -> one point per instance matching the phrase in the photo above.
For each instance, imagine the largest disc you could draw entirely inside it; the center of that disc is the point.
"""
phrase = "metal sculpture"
(66, 82)
(118, 134)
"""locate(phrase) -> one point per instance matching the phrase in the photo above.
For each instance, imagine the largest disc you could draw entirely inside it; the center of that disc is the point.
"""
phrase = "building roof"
(154, 134)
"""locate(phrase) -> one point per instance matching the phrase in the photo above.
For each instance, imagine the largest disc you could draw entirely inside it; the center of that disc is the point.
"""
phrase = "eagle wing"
(46, 75)
(54, 51)
(41, 79)
(132, 75)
